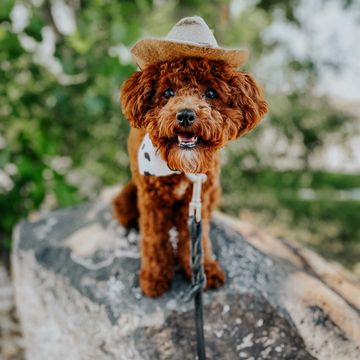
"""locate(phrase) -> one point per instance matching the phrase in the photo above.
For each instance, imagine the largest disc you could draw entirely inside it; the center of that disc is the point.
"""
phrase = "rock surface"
(77, 292)
(10, 332)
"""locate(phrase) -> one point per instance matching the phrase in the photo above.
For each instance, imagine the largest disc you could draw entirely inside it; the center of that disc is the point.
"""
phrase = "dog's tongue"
(187, 138)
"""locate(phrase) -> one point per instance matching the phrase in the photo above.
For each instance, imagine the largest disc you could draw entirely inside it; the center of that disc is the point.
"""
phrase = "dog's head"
(191, 108)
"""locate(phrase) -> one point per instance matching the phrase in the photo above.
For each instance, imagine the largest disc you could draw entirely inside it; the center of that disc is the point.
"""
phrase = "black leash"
(198, 280)
(197, 284)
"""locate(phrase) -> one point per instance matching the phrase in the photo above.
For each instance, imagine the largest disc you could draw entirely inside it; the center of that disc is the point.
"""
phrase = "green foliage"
(44, 123)
(316, 206)
(63, 137)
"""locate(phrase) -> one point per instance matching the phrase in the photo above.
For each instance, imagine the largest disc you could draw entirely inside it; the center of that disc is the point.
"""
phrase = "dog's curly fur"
(161, 203)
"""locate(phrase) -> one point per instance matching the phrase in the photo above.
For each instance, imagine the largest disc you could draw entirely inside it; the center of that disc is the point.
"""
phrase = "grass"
(316, 208)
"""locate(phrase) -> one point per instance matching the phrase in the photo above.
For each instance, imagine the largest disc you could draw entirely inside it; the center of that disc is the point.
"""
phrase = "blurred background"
(63, 137)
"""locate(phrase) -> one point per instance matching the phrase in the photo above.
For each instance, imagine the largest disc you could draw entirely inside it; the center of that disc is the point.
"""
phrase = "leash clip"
(195, 203)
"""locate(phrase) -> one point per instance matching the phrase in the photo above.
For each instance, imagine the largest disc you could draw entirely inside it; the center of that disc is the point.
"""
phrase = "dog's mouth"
(187, 140)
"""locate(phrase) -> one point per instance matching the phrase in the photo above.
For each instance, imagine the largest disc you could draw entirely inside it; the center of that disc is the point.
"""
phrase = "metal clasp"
(195, 203)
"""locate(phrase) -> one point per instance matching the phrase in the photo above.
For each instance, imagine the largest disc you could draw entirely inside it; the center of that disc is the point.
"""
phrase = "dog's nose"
(185, 117)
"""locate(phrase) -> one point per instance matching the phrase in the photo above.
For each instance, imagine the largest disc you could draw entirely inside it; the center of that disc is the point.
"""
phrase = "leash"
(198, 279)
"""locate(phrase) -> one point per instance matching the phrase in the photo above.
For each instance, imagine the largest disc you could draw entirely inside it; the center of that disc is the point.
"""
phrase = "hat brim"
(152, 51)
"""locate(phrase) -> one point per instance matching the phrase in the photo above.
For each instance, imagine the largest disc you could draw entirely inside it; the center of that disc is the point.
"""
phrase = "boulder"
(78, 297)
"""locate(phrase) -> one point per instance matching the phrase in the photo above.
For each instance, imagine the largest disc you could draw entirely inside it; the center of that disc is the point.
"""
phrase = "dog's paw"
(153, 286)
(215, 276)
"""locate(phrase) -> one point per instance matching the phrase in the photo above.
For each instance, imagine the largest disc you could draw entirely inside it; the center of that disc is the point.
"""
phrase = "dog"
(182, 111)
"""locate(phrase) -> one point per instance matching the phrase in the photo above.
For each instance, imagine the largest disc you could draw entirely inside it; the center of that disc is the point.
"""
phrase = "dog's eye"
(210, 93)
(168, 93)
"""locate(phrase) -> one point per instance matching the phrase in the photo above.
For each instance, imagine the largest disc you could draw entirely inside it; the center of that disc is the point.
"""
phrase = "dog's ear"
(135, 96)
(248, 98)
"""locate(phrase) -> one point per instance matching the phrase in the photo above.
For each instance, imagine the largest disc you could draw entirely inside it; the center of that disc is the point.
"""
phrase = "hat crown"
(189, 38)
(192, 30)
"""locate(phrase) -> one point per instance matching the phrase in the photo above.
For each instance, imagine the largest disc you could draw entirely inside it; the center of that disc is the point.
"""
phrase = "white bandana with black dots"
(149, 161)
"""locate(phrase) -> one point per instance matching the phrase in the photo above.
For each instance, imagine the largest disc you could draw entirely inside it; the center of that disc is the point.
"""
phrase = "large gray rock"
(78, 296)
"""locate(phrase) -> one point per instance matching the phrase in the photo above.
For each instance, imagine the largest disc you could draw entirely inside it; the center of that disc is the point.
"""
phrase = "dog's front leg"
(157, 258)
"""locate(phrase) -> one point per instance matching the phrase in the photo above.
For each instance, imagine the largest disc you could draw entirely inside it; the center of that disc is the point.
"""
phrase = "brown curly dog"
(190, 108)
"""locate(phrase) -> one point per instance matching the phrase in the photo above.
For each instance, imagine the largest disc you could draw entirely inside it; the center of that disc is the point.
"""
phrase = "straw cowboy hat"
(190, 37)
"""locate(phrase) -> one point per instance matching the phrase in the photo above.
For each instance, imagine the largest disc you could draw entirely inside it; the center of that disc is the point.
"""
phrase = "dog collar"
(149, 161)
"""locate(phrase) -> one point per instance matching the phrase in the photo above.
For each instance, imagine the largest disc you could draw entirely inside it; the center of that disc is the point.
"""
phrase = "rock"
(77, 292)
(10, 335)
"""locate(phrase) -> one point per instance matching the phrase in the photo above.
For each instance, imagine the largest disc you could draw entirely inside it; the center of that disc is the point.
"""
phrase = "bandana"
(149, 161)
